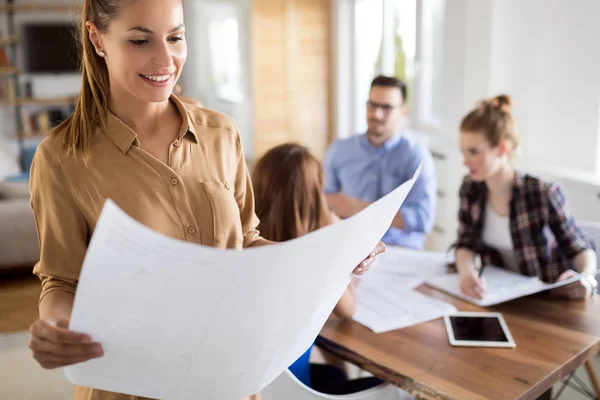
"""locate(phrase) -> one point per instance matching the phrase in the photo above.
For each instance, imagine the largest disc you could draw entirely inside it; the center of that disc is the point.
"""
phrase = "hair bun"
(502, 102)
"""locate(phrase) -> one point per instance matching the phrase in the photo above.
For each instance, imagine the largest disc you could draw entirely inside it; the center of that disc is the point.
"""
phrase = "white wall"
(543, 53)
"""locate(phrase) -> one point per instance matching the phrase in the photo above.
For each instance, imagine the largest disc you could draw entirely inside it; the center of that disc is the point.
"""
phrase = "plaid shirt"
(544, 235)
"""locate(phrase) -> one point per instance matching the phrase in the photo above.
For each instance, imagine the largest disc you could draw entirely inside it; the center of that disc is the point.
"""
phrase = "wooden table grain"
(553, 336)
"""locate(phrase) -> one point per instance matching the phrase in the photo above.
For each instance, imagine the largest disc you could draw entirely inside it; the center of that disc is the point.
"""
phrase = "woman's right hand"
(472, 285)
(54, 345)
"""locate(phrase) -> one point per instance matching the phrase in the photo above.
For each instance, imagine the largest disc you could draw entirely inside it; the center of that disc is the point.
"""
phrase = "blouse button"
(227, 186)
(177, 143)
(174, 181)
(191, 230)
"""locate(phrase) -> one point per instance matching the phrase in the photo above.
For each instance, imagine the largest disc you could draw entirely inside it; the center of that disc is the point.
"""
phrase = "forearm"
(465, 260)
(585, 262)
(398, 221)
(261, 242)
(345, 206)
(415, 217)
(56, 305)
(346, 306)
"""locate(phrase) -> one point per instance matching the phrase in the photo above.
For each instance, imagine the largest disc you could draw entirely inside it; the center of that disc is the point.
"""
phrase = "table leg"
(593, 377)
(546, 396)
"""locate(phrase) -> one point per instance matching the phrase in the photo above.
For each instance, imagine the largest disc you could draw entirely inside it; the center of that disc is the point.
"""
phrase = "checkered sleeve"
(570, 238)
(466, 226)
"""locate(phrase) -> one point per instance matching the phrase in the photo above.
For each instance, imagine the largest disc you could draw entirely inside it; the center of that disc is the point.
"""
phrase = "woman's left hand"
(578, 290)
(367, 262)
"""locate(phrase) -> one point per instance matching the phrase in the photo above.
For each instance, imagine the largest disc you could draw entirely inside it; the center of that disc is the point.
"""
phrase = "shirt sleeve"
(332, 183)
(62, 229)
(244, 196)
(570, 238)
(466, 228)
(418, 210)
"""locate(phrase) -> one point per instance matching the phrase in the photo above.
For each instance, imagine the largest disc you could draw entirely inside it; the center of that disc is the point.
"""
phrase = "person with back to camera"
(290, 203)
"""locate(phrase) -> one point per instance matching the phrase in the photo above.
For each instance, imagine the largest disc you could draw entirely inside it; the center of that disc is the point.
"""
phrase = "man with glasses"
(362, 169)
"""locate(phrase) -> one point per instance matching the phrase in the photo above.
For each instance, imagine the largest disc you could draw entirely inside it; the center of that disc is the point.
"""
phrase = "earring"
(101, 53)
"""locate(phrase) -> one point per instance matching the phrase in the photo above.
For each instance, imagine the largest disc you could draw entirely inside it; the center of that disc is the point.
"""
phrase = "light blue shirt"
(355, 167)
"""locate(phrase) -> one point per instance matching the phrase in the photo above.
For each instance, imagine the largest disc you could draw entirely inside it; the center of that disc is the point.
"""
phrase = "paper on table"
(182, 321)
(385, 300)
(384, 308)
(501, 286)
(404, 269)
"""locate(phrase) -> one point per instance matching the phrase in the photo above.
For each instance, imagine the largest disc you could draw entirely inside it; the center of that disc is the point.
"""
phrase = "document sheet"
(385, 309)
(501, 286)
(183, 321)
(384, 296)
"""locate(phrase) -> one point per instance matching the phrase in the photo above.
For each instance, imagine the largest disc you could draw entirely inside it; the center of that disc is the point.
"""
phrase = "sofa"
(19, 247)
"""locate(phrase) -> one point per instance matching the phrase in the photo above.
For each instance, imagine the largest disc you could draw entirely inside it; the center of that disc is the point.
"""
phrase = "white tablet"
(478, 329)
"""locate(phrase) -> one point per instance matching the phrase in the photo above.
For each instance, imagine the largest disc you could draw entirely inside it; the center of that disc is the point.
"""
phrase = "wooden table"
(553, 337)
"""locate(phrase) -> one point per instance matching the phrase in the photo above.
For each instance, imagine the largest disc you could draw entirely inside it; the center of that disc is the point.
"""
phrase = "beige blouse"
(203, 195)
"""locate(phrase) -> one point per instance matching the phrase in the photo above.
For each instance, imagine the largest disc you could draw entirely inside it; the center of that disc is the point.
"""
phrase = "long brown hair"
(288, 186)
(493, 117)
(90, 111)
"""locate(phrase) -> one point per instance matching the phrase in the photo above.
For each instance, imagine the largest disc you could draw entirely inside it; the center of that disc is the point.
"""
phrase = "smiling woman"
(132, 141)
(174, 167)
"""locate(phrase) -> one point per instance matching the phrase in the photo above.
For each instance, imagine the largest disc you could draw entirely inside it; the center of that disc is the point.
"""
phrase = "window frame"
(344, 53)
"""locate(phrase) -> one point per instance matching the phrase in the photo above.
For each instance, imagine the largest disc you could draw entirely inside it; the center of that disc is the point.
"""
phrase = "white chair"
(288, 387)
(592, 230)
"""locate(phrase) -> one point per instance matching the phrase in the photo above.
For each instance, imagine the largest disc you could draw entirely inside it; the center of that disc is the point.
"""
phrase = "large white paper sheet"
(501, 286)
(182, 321)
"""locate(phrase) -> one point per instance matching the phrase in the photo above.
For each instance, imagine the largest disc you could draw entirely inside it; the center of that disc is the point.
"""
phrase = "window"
(402, 38)
(432, 31)
(368, 35)
(225, 58)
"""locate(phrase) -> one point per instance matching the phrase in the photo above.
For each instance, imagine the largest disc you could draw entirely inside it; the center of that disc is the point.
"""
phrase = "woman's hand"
(54, 345)
(471, 284)
(367, 262)
(579, 290)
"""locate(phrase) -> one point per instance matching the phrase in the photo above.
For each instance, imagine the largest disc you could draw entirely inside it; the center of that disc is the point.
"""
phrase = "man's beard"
(377, 131)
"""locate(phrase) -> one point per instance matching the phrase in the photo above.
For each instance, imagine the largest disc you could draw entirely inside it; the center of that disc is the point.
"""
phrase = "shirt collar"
(388, 145)
(518, 185)
(124, 137)
(519, 181)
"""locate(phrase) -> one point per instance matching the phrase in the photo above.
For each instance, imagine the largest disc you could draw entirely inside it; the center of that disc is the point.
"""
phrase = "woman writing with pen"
(510, 219)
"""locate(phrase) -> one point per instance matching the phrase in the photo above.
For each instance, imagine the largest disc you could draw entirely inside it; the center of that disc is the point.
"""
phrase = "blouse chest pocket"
(226, 220)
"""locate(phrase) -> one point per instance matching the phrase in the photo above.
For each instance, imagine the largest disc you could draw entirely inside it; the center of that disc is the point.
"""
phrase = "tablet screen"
(481, 329)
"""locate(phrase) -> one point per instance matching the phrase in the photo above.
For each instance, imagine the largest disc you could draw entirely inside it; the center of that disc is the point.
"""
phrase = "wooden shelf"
(36, 135)
(24, 101)
(32, 7)
(4, 40)
(8, 70)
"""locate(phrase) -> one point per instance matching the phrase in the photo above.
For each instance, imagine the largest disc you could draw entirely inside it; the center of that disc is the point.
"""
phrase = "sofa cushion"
(14, 189)
(18, 236)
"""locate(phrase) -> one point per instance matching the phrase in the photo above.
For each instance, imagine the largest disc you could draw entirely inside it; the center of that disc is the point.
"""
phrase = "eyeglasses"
(386, 108)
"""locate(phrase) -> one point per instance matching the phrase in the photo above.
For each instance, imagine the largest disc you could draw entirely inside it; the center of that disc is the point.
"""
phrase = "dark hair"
(288, 188)
(493, 117)
(392, 82)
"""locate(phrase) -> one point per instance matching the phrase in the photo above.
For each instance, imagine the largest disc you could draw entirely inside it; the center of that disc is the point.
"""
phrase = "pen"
(481, 270)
